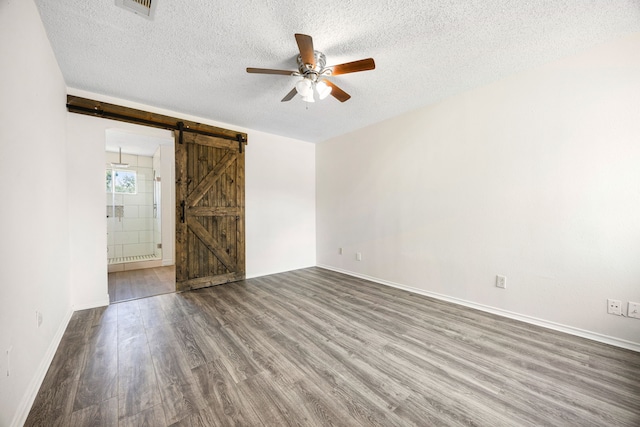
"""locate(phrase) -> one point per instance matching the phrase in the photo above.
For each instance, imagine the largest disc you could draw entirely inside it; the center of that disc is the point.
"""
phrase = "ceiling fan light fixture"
(323, 90)
(308, 97)
(305, 87)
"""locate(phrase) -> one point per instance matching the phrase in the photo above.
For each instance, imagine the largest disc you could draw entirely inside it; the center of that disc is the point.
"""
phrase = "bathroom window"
(121, 181)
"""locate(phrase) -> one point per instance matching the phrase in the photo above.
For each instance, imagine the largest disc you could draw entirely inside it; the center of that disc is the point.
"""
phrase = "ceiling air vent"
(139, 7)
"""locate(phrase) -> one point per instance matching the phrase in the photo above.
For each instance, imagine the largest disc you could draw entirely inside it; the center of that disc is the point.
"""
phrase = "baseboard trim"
(95, 304)
(629, 345)
(32, 391)
(253, 275)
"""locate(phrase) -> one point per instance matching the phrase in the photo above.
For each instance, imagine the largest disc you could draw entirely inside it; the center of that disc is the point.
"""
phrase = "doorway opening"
(140, 194)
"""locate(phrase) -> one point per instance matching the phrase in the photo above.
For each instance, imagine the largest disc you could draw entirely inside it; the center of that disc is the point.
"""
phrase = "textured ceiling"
(192, 56)
(133, 142)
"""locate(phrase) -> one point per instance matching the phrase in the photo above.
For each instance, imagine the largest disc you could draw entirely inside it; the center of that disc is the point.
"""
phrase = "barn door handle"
(182, 205)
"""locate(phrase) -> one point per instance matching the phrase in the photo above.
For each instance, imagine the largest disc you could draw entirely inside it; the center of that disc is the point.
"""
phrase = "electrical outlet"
(501, 282)
(339, 251)
(614, 306)
(8, 370)
(358, 256)
(633, 310)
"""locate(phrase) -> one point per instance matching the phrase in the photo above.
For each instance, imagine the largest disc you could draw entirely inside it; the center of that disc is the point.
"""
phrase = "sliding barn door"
(210, 211)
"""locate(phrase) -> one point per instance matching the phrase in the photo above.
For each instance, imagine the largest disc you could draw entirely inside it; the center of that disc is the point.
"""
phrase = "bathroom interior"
(139, 184)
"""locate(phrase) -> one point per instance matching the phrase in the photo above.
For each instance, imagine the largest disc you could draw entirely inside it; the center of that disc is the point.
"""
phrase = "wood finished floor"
(317, 348)
(134, 284)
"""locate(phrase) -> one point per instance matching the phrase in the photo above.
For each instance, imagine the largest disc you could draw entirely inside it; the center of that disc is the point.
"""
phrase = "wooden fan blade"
(353, 67)
(337, 93)
(305, 45)
(290, 95)
(269, 71)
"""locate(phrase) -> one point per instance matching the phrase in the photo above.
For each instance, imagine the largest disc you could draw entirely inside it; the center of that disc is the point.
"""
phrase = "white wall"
(280, 204)
(34, 243)
(280, 200)
(536, 177)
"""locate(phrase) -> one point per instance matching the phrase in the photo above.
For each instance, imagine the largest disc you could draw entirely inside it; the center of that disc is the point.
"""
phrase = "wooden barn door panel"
(210, 211)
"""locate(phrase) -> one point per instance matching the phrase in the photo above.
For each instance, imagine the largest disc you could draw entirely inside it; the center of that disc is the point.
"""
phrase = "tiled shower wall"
(133, 233)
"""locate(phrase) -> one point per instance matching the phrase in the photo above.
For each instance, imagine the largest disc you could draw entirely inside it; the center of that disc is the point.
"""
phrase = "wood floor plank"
(367, 396)
(138, 386)
(104, 414)
(318, 334)
(180, 395)
(188, 339)
(68, 358)
(151, 417)
(71, 352)
(102, 315)
(205, 417)
(53, 405)
(151, 312)
(314, 347)
(224, 401)
(234, 357)
(204, 303)
(99, 378)
(264, 352)
(318, 407)
(172, 307)
(133, 284)
(265, 403)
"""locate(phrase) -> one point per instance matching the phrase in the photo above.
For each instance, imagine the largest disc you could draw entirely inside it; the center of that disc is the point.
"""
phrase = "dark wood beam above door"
(91, 107)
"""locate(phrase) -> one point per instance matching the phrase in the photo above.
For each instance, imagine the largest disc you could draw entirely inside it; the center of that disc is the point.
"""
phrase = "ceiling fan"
(313, 70)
